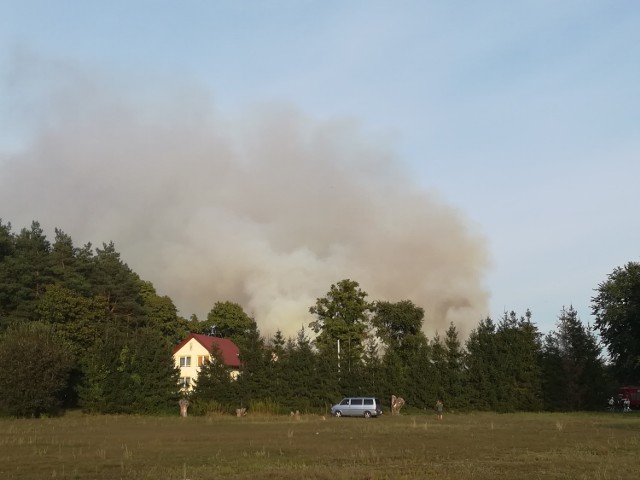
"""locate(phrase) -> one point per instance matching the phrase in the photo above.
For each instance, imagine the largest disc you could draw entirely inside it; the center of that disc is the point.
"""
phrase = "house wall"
(194, 350)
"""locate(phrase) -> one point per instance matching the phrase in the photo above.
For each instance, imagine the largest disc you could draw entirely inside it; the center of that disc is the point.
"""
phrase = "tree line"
(80, 329)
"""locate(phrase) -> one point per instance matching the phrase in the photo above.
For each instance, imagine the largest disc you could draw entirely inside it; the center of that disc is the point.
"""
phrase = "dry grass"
(478, 446)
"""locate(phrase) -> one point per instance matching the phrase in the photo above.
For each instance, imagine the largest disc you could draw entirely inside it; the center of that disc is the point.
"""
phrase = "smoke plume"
(265, 207)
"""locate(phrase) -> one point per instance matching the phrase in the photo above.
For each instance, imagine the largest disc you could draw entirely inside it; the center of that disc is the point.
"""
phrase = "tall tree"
(6, 240)
(8, 283)
(253, 384)
(229, 320)
(519, 347)
(214, 387)
(303, 382)
(163, 314)
(482, 360)
(616, 308)
(278, 373)
(25, 273)
(399, 326)
(112, 279)
(342, 317)
(129, 372)
(68, 264)
(395, 323)
(453, 381)
(574, 371)
(154, 375)
(372, 369)
(438, 358)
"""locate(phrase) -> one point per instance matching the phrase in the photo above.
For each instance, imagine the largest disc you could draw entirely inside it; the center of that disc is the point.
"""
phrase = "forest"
(80, 330)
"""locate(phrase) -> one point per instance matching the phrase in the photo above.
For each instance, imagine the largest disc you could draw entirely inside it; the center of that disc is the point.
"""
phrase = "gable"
(229, 351)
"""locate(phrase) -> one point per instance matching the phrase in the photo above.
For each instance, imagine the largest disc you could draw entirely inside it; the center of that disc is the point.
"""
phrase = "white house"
(192, 352)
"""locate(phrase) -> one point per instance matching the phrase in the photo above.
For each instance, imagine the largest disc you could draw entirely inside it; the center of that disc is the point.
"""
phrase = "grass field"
(464, 446)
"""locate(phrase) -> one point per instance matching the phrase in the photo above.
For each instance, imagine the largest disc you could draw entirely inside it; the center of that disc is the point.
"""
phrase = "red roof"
(228, 349)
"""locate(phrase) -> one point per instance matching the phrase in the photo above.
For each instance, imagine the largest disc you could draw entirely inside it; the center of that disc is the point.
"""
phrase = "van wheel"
(338, 413)
(367, 414)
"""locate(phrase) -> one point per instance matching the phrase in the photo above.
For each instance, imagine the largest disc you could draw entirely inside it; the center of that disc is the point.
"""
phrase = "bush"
(208, 408)
(265, 407)
(131, 374)
(34, 377)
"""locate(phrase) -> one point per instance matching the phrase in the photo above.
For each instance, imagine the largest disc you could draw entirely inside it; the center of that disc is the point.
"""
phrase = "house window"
(202, 359)
(185, 361)
(185, 382)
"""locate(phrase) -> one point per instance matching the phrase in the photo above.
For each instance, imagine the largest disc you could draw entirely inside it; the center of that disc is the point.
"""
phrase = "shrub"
(35, 370)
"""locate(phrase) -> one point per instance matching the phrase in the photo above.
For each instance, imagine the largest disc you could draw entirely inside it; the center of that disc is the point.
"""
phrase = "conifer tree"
(252, 383)
(574, 372)
(439, 362)
(25, 273)
(279, 367)
(214, 387)
(483, 377)
(162, 314)
(68, 264)
(518, 342)
(129, 372)
(456, 393)
(421, 390)
(303, 382)
(113, 280)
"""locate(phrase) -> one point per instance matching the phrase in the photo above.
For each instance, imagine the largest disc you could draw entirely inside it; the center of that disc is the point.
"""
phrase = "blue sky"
(524, 116)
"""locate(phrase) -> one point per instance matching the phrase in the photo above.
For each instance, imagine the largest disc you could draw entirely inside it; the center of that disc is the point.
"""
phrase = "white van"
(357, 407)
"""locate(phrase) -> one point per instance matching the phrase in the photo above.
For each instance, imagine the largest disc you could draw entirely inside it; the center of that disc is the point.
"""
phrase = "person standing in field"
(439, 408)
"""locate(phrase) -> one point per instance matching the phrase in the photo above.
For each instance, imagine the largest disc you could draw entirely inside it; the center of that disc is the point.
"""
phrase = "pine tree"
(129, 373)
(455, 391)
(277, 375)
(162, 314)
(113, 280)
(214, 389)
(574, 371)
(483, 377)
(421, 388)
(439, 362)
(304, 391)
(154, 375)
(8, 284)
(25, 273)
(68, 264)
(252, 383)
(518, 342)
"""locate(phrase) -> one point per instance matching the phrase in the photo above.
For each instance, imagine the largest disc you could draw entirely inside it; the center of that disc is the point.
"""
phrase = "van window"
(368, 401)
(356, 401)
(345, 401)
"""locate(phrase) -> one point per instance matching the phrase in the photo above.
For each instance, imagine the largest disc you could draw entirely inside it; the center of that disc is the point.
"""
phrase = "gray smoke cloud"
(265, 207)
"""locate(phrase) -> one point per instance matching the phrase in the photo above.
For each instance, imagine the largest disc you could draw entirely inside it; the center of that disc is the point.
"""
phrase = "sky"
(473, 157)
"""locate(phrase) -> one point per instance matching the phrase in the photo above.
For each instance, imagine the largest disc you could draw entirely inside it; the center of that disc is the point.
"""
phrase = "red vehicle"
(632, 393)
